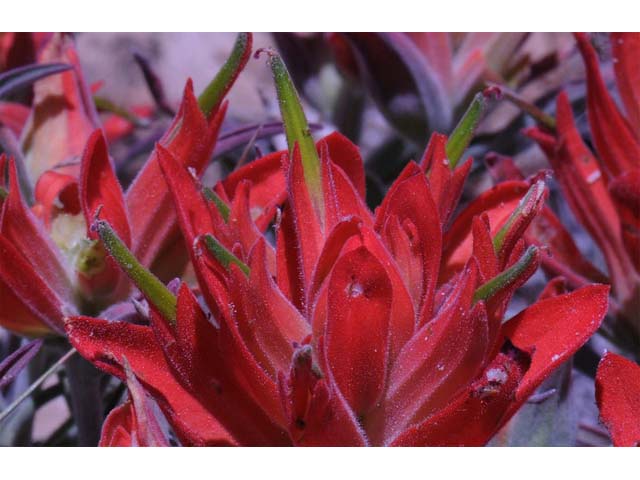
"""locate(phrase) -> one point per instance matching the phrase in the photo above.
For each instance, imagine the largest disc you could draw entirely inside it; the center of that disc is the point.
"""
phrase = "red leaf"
(270, 324)
(474, 416)
(440, 360)
(618, 398)
(307, 225)
(626, 64)
(497, 203)
(191, 140)
(99, 188)
(105, 344)
(56, 193)
(63, 114)
(616, 144)
(193, 215)
(318, 415)
(409, 199)
(346, 155)
(625, 191)
(117, 427)
(552, 330)
(134, 423)
(14, 116)
(268, 184)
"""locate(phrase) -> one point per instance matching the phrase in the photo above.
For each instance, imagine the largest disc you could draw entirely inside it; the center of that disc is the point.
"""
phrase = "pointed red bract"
(106, 344)
(100, 189)
(626, 65)
(618, 398)
(543, 331)
(617, 146)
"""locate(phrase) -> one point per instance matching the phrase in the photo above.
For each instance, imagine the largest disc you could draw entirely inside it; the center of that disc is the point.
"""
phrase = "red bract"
(53, 266)
(357, 327)
(618, 397)
(603, 191)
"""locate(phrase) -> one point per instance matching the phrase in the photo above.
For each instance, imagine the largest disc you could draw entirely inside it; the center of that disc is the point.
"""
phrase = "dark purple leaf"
(402, 83)
(20, 77)
(153, 83)
(17, 361)
(236, 138)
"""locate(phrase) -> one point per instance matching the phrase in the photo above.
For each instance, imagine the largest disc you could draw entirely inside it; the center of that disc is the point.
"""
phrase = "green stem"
(297, 131)
(466, 128)
(153, 289)
(506, 278)
(213, 94)
(224, 256)
(222, 207)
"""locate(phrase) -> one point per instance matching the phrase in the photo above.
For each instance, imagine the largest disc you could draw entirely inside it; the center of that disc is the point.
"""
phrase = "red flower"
(53, 266)
(603, 191)
(618, 397)
(356, 328)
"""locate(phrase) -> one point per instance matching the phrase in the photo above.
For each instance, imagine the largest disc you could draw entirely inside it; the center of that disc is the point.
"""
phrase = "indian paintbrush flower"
(355, 327)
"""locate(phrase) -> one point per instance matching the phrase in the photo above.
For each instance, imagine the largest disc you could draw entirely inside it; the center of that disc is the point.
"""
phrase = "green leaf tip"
(224, 256)
(105, 105)
(213, 94)
(297, 128)
(153, 289)
(3, 193)
(466, 128)
(222, 207)
(508, 277)
(526, 207)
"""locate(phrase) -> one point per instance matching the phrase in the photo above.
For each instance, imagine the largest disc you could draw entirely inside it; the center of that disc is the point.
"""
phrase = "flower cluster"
(308, 318)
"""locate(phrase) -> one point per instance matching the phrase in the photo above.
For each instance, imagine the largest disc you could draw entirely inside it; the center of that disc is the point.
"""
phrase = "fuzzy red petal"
(475, 415)
(318, 414)
(357, 330)
(552, 330)
(618, 398)
(191, 140)
(617, 146)
(439, 361)
(63, 114)
(625, 47)
(100, 188)
(105, 344)
(18, 226)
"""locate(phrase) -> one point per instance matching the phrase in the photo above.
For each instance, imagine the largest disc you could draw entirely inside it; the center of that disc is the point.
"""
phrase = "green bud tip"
(224, 256)
(222, 207)
(213, 94)
(297, 128)
(466, 128)
(525, 207)
(506, 278)
(153, 289)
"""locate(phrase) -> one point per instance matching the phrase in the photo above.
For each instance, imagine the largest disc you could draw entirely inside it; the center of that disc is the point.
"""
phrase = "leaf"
(298, 132)
(402, 83)
(21, 77)
(626, 65)
(11, 366)
(224, 256)
(466, 128)
(552, 330)
(210, 99)
(510, 276)
(152, 288)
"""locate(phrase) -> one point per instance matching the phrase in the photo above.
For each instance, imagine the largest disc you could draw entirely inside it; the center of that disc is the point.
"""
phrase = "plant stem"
(52, 369)
(86, 400)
